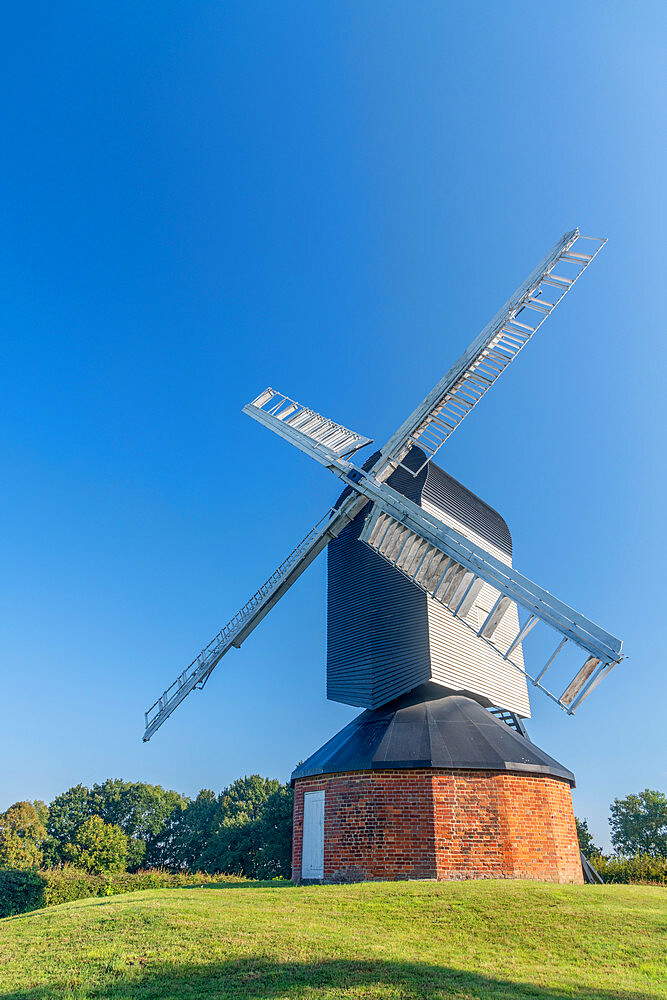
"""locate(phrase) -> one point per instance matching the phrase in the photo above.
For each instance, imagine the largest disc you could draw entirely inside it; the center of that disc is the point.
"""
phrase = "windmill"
(427, 616)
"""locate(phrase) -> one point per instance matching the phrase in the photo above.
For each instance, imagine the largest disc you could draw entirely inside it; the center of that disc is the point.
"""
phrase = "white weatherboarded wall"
(312, 852)
(462, 661)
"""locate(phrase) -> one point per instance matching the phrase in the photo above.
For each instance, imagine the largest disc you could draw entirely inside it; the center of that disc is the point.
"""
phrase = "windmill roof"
(461, 503)
(430, 727)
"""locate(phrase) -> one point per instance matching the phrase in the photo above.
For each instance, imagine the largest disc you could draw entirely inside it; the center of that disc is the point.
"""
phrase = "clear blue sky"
(332, 198)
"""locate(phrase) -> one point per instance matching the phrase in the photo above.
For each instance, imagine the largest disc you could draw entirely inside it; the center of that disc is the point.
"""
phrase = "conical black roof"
(430, 727)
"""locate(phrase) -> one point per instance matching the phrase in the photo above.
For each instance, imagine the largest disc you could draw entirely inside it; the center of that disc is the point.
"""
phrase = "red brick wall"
(443, 824)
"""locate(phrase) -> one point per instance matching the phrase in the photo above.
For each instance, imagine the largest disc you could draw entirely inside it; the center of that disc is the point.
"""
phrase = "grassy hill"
(387, 940)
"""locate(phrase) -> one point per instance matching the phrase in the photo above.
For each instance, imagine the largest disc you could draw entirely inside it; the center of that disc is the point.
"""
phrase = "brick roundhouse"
(433, 786)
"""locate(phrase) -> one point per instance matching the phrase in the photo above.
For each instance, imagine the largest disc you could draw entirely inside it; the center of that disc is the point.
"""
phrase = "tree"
(66, 814)
(42, 811)
(241, 838)
(22, 834)
(247, 796)
(586, 844)
(139, 809)
(184, 836)
(639, 824)
(246, 829)
(232, 847)
(273, 858)
(98, 847)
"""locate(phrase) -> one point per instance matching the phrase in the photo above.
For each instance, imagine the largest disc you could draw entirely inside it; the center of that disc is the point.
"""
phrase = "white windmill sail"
(324, 440)
(499, 343)
(319, 437)
(452, 569)
(447, 565)
(237, 630)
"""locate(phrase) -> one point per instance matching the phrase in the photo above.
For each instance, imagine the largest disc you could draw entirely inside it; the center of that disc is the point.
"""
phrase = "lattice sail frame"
(303, 427)
(197, 673)
(451, 569)
(428, 427)
(498, 344)
(237, 630)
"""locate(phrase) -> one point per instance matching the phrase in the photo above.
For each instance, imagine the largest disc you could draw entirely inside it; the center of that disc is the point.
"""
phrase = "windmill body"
(385, 636)
(427, 625)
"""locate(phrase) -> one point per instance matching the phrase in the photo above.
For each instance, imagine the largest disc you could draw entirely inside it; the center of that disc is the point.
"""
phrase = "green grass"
(386, 940)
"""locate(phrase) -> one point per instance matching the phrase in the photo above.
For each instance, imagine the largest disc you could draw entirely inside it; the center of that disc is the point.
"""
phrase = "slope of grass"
(386, 940)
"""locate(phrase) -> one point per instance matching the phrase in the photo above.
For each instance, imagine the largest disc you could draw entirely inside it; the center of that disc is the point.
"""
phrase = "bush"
(62, 885)
(20, 890)
(159, 878)
(641, 869)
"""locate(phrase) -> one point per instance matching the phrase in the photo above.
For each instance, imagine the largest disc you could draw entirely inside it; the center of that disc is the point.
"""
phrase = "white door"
(312, 851)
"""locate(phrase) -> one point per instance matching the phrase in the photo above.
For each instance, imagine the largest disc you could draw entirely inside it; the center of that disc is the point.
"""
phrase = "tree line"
(638, 826)
(125, 826)
(120, 826)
